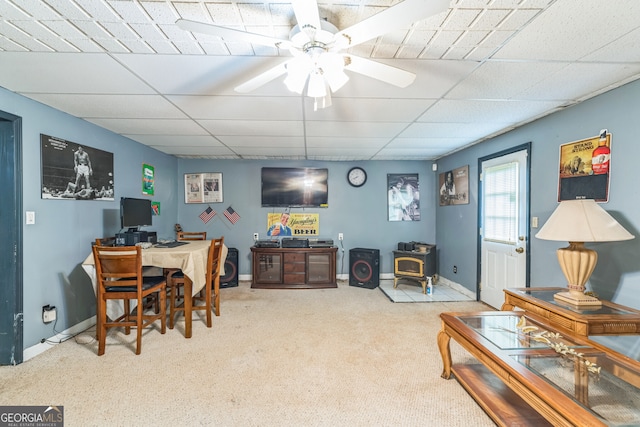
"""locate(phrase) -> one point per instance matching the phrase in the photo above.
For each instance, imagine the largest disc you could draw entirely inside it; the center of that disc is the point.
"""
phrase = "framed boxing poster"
(71, 171)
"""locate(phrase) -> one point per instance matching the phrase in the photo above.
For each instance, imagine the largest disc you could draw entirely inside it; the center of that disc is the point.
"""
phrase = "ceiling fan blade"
(307, 16)
(229, 34)
(391, 19)
(379, 71)
(263, 79)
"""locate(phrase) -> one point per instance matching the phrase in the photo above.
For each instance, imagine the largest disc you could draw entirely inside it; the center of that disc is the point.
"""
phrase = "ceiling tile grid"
(482, 68)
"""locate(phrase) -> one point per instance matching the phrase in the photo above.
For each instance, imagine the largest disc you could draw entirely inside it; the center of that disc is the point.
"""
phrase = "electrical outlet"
(256, 237)
(30, 218)
(455, 269)
(48, 314)
(340, 236)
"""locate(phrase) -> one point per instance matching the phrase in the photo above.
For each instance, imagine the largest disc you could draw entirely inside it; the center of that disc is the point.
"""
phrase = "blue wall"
(617, 275)
(359, 213)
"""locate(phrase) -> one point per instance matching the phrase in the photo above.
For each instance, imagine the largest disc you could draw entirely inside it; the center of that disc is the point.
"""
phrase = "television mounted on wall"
(135, 213)
(295, 187)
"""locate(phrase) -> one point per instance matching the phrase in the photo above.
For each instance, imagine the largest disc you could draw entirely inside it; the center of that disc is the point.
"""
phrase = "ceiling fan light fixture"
(297, 73)
(317, 86)
(336, 80)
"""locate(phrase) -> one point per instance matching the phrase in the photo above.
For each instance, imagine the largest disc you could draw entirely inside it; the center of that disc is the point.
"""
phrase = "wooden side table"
(608, 319)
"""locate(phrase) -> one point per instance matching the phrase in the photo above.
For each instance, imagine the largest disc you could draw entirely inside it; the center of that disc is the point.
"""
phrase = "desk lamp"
(579, 221)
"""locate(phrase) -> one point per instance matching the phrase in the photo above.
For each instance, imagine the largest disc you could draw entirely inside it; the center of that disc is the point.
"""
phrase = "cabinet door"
(269, 268)
(319, 268)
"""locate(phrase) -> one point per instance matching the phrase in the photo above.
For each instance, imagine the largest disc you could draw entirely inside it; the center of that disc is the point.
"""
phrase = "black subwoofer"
(364, 268)
(230, 278)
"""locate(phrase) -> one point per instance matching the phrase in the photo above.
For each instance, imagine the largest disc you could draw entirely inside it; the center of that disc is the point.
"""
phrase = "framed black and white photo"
(203, 187)
(403, 197)
(72, 171)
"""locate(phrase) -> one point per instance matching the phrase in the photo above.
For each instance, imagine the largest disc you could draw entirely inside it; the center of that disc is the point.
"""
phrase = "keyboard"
(170, 244)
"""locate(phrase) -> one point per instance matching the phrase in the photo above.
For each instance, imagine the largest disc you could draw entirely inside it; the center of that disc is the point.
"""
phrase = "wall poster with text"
(454, 186)
(287, 224)
(403, 197)
(203, 188)
(71, 171)
(148, 179)
(584, 168)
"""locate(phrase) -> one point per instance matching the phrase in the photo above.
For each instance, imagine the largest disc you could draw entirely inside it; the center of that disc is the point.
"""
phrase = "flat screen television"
(295, 187)
(135, 213)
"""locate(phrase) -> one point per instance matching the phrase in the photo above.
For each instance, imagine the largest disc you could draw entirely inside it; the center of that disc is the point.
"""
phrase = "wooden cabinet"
(294, 267)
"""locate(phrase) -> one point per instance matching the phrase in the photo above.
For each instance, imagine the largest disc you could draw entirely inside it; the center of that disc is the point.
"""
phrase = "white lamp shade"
(582, 221)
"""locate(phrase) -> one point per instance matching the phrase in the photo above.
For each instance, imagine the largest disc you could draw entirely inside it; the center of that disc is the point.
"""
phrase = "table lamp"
(579, 221)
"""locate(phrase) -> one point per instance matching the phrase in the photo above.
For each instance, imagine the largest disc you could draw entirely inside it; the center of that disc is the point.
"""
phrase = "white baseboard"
(457, 287)
(39, 348)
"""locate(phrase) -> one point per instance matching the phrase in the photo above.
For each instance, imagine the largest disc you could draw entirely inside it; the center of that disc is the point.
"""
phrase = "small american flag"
(231, 215)
(207, 214)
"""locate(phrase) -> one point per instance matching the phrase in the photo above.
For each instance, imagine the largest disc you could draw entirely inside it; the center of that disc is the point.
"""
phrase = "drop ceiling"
(483, 67)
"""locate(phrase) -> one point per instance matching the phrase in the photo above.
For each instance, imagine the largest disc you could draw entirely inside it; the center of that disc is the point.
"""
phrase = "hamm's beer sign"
(295, 224)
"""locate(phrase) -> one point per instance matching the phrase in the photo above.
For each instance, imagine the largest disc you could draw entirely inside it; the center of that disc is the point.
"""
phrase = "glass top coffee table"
(531, 373)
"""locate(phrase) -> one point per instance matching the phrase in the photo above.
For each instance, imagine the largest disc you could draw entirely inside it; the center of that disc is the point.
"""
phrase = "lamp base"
(578, 299)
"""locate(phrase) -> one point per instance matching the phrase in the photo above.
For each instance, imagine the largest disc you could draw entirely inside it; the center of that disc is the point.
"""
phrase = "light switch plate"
(30, 217)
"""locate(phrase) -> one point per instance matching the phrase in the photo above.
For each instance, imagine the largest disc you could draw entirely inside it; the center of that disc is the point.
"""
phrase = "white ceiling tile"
(65, 8)
(112, 106)
(443, 130)
(577, 80)
(427, 142)
(67, 73)
(161, 12)
(502, 112)
(178, 150)
(9, 11)
(253, 127)
(272, 142)
(150, 126)
(502, 80)
(98, 10)
(177, 140)
(355, 142)
(131, 12)
(92, 29)
(225, 14)
(37, 9)
(560, 33)
(238, 108)
(342, 152)
(275, 152)
(353, 128)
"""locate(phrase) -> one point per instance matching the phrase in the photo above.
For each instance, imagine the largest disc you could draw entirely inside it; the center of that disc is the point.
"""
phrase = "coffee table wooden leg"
(188, 305)
(445, 352)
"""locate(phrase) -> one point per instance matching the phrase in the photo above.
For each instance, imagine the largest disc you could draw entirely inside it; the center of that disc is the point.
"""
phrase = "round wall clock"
(357, 176)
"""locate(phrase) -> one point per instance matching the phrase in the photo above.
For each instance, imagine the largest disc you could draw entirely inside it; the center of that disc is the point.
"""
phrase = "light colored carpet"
(330, 357)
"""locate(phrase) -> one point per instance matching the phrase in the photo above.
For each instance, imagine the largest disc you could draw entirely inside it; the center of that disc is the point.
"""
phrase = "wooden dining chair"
(208, 298)
(172, 292)
(119, 277)
(106, 241)
(191, 235)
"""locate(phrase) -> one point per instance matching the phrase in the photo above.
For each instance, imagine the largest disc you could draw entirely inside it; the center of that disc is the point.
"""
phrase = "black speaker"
(364, 268)
(230, 278)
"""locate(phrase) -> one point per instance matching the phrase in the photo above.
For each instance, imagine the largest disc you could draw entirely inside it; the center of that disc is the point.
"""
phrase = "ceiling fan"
(317, 47)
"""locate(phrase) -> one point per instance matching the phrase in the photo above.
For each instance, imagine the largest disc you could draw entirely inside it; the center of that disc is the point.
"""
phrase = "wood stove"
(417, 265)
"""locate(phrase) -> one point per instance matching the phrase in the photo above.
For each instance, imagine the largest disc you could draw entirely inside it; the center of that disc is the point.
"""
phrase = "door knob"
(519, 250)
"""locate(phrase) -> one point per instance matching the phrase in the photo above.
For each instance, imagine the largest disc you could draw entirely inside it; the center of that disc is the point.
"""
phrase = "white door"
(503, 231)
